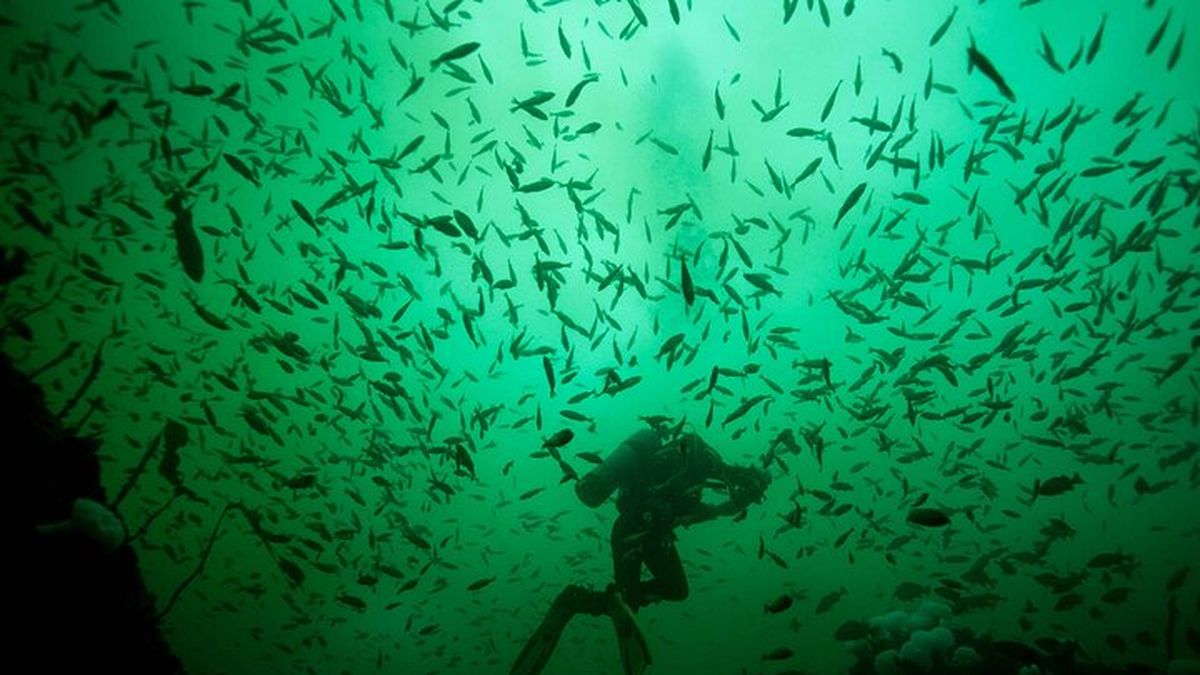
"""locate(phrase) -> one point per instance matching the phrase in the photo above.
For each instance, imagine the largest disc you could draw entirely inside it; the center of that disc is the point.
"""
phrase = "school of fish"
(321, 262)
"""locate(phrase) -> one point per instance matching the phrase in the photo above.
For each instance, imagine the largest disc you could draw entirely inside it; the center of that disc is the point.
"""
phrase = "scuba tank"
(620, 464)
(637, 458)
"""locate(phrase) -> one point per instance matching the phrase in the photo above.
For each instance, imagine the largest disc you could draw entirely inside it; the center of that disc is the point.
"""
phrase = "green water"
(1092, 276)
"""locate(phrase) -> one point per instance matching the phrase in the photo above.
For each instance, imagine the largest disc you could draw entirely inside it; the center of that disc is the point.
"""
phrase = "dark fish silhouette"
(187, 244)
(976, 59)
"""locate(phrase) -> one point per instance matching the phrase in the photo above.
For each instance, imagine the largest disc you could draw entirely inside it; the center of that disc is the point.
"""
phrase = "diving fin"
(635, 655)
(533, 657)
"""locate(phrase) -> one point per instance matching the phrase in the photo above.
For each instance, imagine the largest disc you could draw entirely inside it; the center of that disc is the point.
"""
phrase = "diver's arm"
(710, 462)
(702, 512)
(746, 485)
(732, 474)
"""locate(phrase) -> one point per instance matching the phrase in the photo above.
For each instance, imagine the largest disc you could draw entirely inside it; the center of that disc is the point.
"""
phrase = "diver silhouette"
(660, 472)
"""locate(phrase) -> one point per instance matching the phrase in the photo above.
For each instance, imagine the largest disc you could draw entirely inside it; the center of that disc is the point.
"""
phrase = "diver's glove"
(747, 485)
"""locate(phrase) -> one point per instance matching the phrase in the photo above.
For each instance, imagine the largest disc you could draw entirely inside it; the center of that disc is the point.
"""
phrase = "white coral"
(94, 520)
(98, 522)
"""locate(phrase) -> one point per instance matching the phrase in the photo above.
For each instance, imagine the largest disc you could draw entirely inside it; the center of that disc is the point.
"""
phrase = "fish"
(780, 604)
(352, 601)
(828, 108)
(464, 49)
(305, 216)
(976, 59)
(573, 95)
(1176, 51)
(638, 14)
(466, 225)
(873, 125)
(563, 43)
(928, 517)
(809, 169)
(559, 439)
(685, 283)
(241, 168)
(548, 368)
(299, 482)
(779, 654)
(538, 185)
(1177, 579)
(760, 281)
(674, 8)
(1158, 34)
(445, 225)
(1047, 55)
(1094, 45)
(789, 8)
(291, 570)
(943, 27)
(851, 199)
(31, 219)
(480, 583)
(744, 408)
(187, 243)
(897, 64)
(529, 494)
(1054, 486)
(532, 103)
(830, 600)
(803, 132)
(914, 197)
(574, 416)
(732, 31)
(197, 90)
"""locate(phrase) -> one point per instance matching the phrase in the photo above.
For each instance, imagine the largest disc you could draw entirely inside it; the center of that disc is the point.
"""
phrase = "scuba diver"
(660, 473)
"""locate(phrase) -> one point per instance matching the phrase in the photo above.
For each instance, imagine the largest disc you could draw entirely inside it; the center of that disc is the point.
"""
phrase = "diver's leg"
(573, 599)
(627, 540)
(633, 546)
(670, 580)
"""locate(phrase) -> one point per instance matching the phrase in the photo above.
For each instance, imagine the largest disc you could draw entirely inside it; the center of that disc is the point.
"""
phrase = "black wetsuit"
(660, 480)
